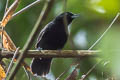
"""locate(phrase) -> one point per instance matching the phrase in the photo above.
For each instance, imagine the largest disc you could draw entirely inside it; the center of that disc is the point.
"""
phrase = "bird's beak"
(75, 16)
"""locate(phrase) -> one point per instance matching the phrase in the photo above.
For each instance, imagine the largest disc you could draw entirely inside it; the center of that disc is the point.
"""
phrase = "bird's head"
(68, 16)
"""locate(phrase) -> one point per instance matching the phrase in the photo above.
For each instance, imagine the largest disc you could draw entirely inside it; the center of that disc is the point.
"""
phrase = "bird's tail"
(41, 66)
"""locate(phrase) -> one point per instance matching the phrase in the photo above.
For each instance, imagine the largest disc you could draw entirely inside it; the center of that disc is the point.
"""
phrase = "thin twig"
(116, 17)
(102, 37)
(65, 18)
(6, 7)
(31, 38)
(27, 73)
(10, 65)
(54, 53)
(74, 74)
(86, 75)
(7, 16)
(58, 78)
(2, 36)
(69, 39)
(65, 6)
(26, 69)
(26, 8)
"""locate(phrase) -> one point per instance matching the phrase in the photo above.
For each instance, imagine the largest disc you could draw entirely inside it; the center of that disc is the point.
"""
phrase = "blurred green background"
(95, 17)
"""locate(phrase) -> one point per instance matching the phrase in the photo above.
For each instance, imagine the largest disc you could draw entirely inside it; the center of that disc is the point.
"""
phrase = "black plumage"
(52, 37)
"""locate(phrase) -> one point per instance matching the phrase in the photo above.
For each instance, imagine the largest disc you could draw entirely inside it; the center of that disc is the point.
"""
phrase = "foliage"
(95, 17)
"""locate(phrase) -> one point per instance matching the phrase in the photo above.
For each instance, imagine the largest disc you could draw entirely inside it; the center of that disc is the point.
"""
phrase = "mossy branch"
(53, 53)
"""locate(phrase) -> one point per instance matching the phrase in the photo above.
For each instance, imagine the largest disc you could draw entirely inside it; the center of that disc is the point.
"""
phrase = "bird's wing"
(43, 31)
(39, 38)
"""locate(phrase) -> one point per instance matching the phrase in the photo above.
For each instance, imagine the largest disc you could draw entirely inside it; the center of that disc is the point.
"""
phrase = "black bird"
(52, 37)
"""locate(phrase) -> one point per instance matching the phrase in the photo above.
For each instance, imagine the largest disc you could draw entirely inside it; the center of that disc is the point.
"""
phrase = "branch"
(113, 21)
(74, 74)
(35, 31)
(6, 7)
(53, 53)
(11, 63)
(86, 75)
(116, 17)
(7, 16)
(26, 8)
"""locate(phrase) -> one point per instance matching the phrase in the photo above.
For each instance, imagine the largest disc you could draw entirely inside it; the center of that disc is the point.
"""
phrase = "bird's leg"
(59, 50)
